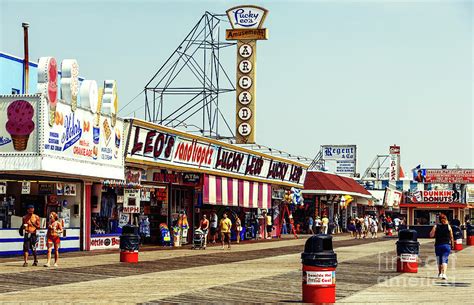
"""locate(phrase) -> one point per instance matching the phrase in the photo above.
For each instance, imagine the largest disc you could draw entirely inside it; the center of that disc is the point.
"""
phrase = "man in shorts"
(31, 223)
(224, 227)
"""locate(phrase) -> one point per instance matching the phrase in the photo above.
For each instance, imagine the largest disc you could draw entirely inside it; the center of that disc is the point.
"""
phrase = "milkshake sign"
(246, 17)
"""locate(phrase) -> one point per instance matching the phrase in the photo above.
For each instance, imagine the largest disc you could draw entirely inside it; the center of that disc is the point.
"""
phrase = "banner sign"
(155, 145)
(339, 152)
(105, 242)
(469, 194)
(392, 198)
(437, 196)
(74, 135)
(339, 159)
(450, 176)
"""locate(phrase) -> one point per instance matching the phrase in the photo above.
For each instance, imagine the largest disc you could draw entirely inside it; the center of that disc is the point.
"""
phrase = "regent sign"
(172, 149)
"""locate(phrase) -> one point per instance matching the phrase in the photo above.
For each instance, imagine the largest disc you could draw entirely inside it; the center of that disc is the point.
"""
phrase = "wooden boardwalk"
(267, 272)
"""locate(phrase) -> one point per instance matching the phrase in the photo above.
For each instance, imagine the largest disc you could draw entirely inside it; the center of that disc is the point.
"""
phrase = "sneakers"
(46, 265)
(35, 263)
(25, 264)
(443, 276)
(55, 265)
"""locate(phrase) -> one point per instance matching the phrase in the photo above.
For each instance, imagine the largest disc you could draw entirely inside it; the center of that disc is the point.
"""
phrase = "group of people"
(212, 227)
(318, 225)
(29, 228)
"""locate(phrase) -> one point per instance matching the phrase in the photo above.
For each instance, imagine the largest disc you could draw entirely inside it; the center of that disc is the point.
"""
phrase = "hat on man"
(30, 206)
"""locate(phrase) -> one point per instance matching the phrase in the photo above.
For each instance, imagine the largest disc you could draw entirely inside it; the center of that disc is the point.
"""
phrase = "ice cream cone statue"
(70, 82)
(20, 123)
(48, 84)
(110, 100)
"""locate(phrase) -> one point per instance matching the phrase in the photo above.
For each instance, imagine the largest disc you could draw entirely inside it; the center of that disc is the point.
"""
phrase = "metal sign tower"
(185, 92)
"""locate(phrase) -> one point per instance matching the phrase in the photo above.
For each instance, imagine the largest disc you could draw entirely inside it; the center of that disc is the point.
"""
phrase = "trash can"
(407, 251)
(319, 270)
(470, 235)
(129, 244)
(457, 234)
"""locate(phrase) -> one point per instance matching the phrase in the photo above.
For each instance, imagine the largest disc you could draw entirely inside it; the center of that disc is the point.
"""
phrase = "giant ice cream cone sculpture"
(20, 123)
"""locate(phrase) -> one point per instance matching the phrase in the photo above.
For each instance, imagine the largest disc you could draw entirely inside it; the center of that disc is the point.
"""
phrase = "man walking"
(31, 223)
(224, 227)
(325, 222)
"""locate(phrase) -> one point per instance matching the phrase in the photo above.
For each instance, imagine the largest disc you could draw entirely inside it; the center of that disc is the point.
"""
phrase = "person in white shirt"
(373, 226)
(213, 225)
(396, 221)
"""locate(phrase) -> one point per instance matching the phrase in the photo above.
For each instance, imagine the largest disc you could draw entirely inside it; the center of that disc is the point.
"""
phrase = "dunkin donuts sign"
(161, 145)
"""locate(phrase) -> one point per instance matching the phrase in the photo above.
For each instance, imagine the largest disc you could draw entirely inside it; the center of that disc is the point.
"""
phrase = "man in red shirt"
(31, 223)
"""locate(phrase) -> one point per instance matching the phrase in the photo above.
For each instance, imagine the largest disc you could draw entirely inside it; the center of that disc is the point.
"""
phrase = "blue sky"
(371, 73)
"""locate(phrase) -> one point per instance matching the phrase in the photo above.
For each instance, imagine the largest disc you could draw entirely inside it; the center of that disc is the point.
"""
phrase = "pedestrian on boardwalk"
(310, 225)
(396, 222)
(337, 229)
(366, 226)
(224, 228)
(284, 228)
(269, 225)
(317, 225)
(31, 223)
(238, 228)
(325, 222)
(204, 226)
(292, 224)
(213, 226)
(55, 229)
(373, 226)
(351, 227)
(358, 225)
(444, 242)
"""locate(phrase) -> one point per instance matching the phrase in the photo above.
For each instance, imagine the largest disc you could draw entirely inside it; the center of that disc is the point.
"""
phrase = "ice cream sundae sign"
(19, 121)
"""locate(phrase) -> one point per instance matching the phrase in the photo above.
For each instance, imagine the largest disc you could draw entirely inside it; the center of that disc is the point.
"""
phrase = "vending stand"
(52, 151)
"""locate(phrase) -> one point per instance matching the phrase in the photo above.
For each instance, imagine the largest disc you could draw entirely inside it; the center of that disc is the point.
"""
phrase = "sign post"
(247, 28)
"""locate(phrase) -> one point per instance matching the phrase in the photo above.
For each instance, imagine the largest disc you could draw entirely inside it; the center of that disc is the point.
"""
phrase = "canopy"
(320, 183)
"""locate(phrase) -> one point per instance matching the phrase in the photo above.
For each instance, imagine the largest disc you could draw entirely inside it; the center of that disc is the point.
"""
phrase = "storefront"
(337, 197)
(51, 155)
(196, 175)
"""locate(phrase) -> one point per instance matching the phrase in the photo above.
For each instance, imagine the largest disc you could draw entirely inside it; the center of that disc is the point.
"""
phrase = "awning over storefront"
(236, 192)
(320, 183)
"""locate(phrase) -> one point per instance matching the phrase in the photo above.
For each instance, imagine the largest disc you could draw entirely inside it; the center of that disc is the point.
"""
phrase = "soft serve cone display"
(20, 124)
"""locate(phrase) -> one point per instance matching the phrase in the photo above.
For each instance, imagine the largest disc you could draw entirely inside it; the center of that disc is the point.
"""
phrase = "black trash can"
(408, 249)
(129, 244)
(457, 234)
(319, 270)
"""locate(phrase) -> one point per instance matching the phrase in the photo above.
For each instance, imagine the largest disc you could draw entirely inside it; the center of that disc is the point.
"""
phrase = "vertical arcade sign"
(247, 28)
(394, 169)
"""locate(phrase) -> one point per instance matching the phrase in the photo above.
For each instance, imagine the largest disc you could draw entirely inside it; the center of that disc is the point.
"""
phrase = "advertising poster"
(76, 135)
(451, 176)
(19, 127)
(131, 201)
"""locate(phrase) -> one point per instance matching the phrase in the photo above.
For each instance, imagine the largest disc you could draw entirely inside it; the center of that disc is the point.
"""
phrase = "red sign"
(459, 176)
(165, 177)
(394, 150)
(131, 210)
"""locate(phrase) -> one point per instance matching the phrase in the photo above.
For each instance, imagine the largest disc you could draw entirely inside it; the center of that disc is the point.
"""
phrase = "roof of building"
(321, 183)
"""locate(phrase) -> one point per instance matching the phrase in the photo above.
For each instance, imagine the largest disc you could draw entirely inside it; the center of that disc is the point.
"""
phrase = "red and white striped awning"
(236, 192)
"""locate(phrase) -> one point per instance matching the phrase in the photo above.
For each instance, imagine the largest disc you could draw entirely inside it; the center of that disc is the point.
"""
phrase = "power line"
(131, 100)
